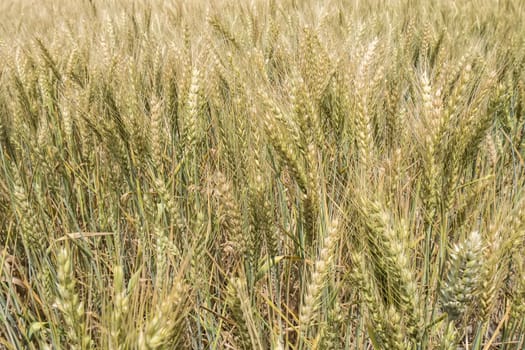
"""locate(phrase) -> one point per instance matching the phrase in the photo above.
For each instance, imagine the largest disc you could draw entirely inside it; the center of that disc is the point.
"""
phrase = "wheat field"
(262, 174)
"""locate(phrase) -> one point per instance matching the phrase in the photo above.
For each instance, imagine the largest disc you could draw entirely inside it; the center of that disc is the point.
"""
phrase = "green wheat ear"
(461, 284)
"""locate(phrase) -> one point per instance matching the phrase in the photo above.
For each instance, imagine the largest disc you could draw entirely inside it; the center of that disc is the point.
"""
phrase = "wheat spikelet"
(220, 28)
(502, 243)
(449, 339)
(459, 93)
(309, 124)
(163, 330)
(367, 289)
(364, 127)
(31, 237)
(518, 301)
(156, 134)
(231, 217)
(431, 142)
(46, 88)
(290, 158)
(161, 259)
(120, 309)
(387, 241)
(426, 40)
(192, 110)
(311, 205)
(3, 128)
(23, 71)
(48, 283)
(67, 121)
(247, 313)
(243, 334)
(462, 283)
(330, 333)
(70, 305)
(198, 263)
(316, 65)
(477, 122)
(321, 268)
(170, 205)
(73, 63)
(491, 149)
(261, 214)
(304, 110)
(394, 333)
(187, 70)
